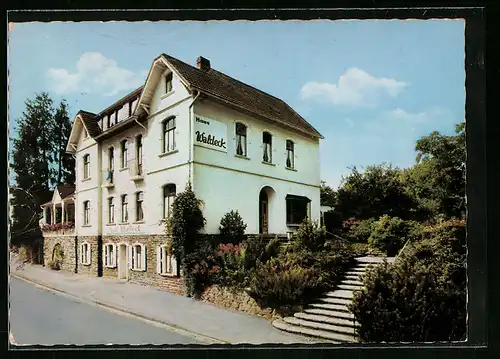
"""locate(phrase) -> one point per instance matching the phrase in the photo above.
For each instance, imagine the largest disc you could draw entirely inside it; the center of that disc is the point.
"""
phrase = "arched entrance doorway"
(266, 197)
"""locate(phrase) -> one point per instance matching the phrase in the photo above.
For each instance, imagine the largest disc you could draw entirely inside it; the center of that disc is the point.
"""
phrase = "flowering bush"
(58, 226)
(232, 266)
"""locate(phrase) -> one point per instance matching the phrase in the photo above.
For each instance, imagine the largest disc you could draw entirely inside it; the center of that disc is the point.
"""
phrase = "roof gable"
(224, 87)
(84, 121)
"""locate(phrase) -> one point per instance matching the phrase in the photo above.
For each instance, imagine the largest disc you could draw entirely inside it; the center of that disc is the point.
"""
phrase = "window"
(168, 138)
(110, 255)
(124, 208)
(85, 252)
(110, 121)
(124, 148)
(111, 210)
(267, 140)
(297, 208)
(241, 139)
(168, 82)
(86, 166)
(130, 108)
(139, 213)
(86, 212)
(139, 154)
(166, 263)
(138, 257)
(168, 199)
(289, 154)
(116, 115)
(111, 164)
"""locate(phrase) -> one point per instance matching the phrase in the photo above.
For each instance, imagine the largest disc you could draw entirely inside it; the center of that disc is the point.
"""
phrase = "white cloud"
(95, 74)
(355, 88)
(419, 117)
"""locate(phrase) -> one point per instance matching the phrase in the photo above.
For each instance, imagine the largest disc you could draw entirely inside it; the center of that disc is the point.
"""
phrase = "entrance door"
(263, 213)
(122, 262)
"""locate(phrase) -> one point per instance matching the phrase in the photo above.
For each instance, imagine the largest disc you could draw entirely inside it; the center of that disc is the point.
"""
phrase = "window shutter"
(129, 256)
(143, 254)
(89, 253)
(174, 265)
(158, 259)
(114, 256)
(105, 255)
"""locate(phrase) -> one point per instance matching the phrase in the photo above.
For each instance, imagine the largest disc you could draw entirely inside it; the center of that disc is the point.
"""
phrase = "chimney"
(203, 63)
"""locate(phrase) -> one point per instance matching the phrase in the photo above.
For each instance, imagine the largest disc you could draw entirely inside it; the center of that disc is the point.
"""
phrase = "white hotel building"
(240, 148)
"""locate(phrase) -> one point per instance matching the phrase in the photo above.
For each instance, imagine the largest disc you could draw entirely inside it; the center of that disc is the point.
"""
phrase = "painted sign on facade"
(210, 133)
(125, 229)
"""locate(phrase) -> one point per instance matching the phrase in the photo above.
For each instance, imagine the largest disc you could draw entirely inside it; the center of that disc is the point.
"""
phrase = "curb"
(172, 327)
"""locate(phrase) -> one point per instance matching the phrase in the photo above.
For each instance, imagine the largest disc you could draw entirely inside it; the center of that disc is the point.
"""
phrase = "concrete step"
(354, 273)
(374, 260)
(349, 287)
(352, 277)
(330, 313)
(326, 319)
(335, 300)
(352, 282)
(320, 326)
(335, 338)
(358, 270)
(330, 306)
(340, 293)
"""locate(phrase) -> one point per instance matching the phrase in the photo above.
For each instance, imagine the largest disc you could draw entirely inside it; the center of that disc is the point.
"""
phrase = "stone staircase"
(328, 318)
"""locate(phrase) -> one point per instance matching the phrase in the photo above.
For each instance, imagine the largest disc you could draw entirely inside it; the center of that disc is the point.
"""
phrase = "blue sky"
(372, 88)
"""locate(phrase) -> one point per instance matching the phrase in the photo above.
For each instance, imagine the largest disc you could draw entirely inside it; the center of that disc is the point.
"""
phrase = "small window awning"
(294, 197)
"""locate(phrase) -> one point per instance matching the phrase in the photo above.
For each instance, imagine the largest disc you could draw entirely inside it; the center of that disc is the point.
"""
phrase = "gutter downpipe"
(190, 159)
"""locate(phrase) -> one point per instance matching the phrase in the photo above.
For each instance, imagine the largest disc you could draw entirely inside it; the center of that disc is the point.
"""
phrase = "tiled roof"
(65, 190)
(90, 121)
(217, 84)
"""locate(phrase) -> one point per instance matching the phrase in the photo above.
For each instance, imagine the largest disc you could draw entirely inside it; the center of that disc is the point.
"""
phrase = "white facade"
(220, 177)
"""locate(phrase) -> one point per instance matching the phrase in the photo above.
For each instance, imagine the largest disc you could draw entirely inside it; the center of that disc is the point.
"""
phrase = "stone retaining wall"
(236, 300)
(92, 269)
(68, 246)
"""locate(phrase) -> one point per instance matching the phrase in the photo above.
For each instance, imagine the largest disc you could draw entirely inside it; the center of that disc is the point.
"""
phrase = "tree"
(437, 181)
(186, 221)
(65, 163)
(373, 193)
(31, 159)
(327, 195)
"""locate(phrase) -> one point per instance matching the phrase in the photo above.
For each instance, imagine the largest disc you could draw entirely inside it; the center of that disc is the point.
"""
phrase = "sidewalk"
(203, 321)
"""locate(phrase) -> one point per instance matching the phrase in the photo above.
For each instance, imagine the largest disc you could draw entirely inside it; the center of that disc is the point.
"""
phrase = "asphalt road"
(38, 316)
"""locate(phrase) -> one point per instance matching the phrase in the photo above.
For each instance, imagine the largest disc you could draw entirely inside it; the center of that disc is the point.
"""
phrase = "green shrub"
(24, 254)
(232, 228)
(186, 221)
(420, 298)
(391, 233)
(309, 236)
(282, 281)
(259, 250)
(55, 265)
(199, 267)
(361, 231)
(231, 259)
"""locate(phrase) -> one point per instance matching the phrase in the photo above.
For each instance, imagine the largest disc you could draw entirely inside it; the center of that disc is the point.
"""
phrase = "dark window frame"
(241, 139)
(297, 210)
(290, 154)
(267, 145)
(169, 79)
(139, 206)
(86, 166)
(169, 194)
(168, 125)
